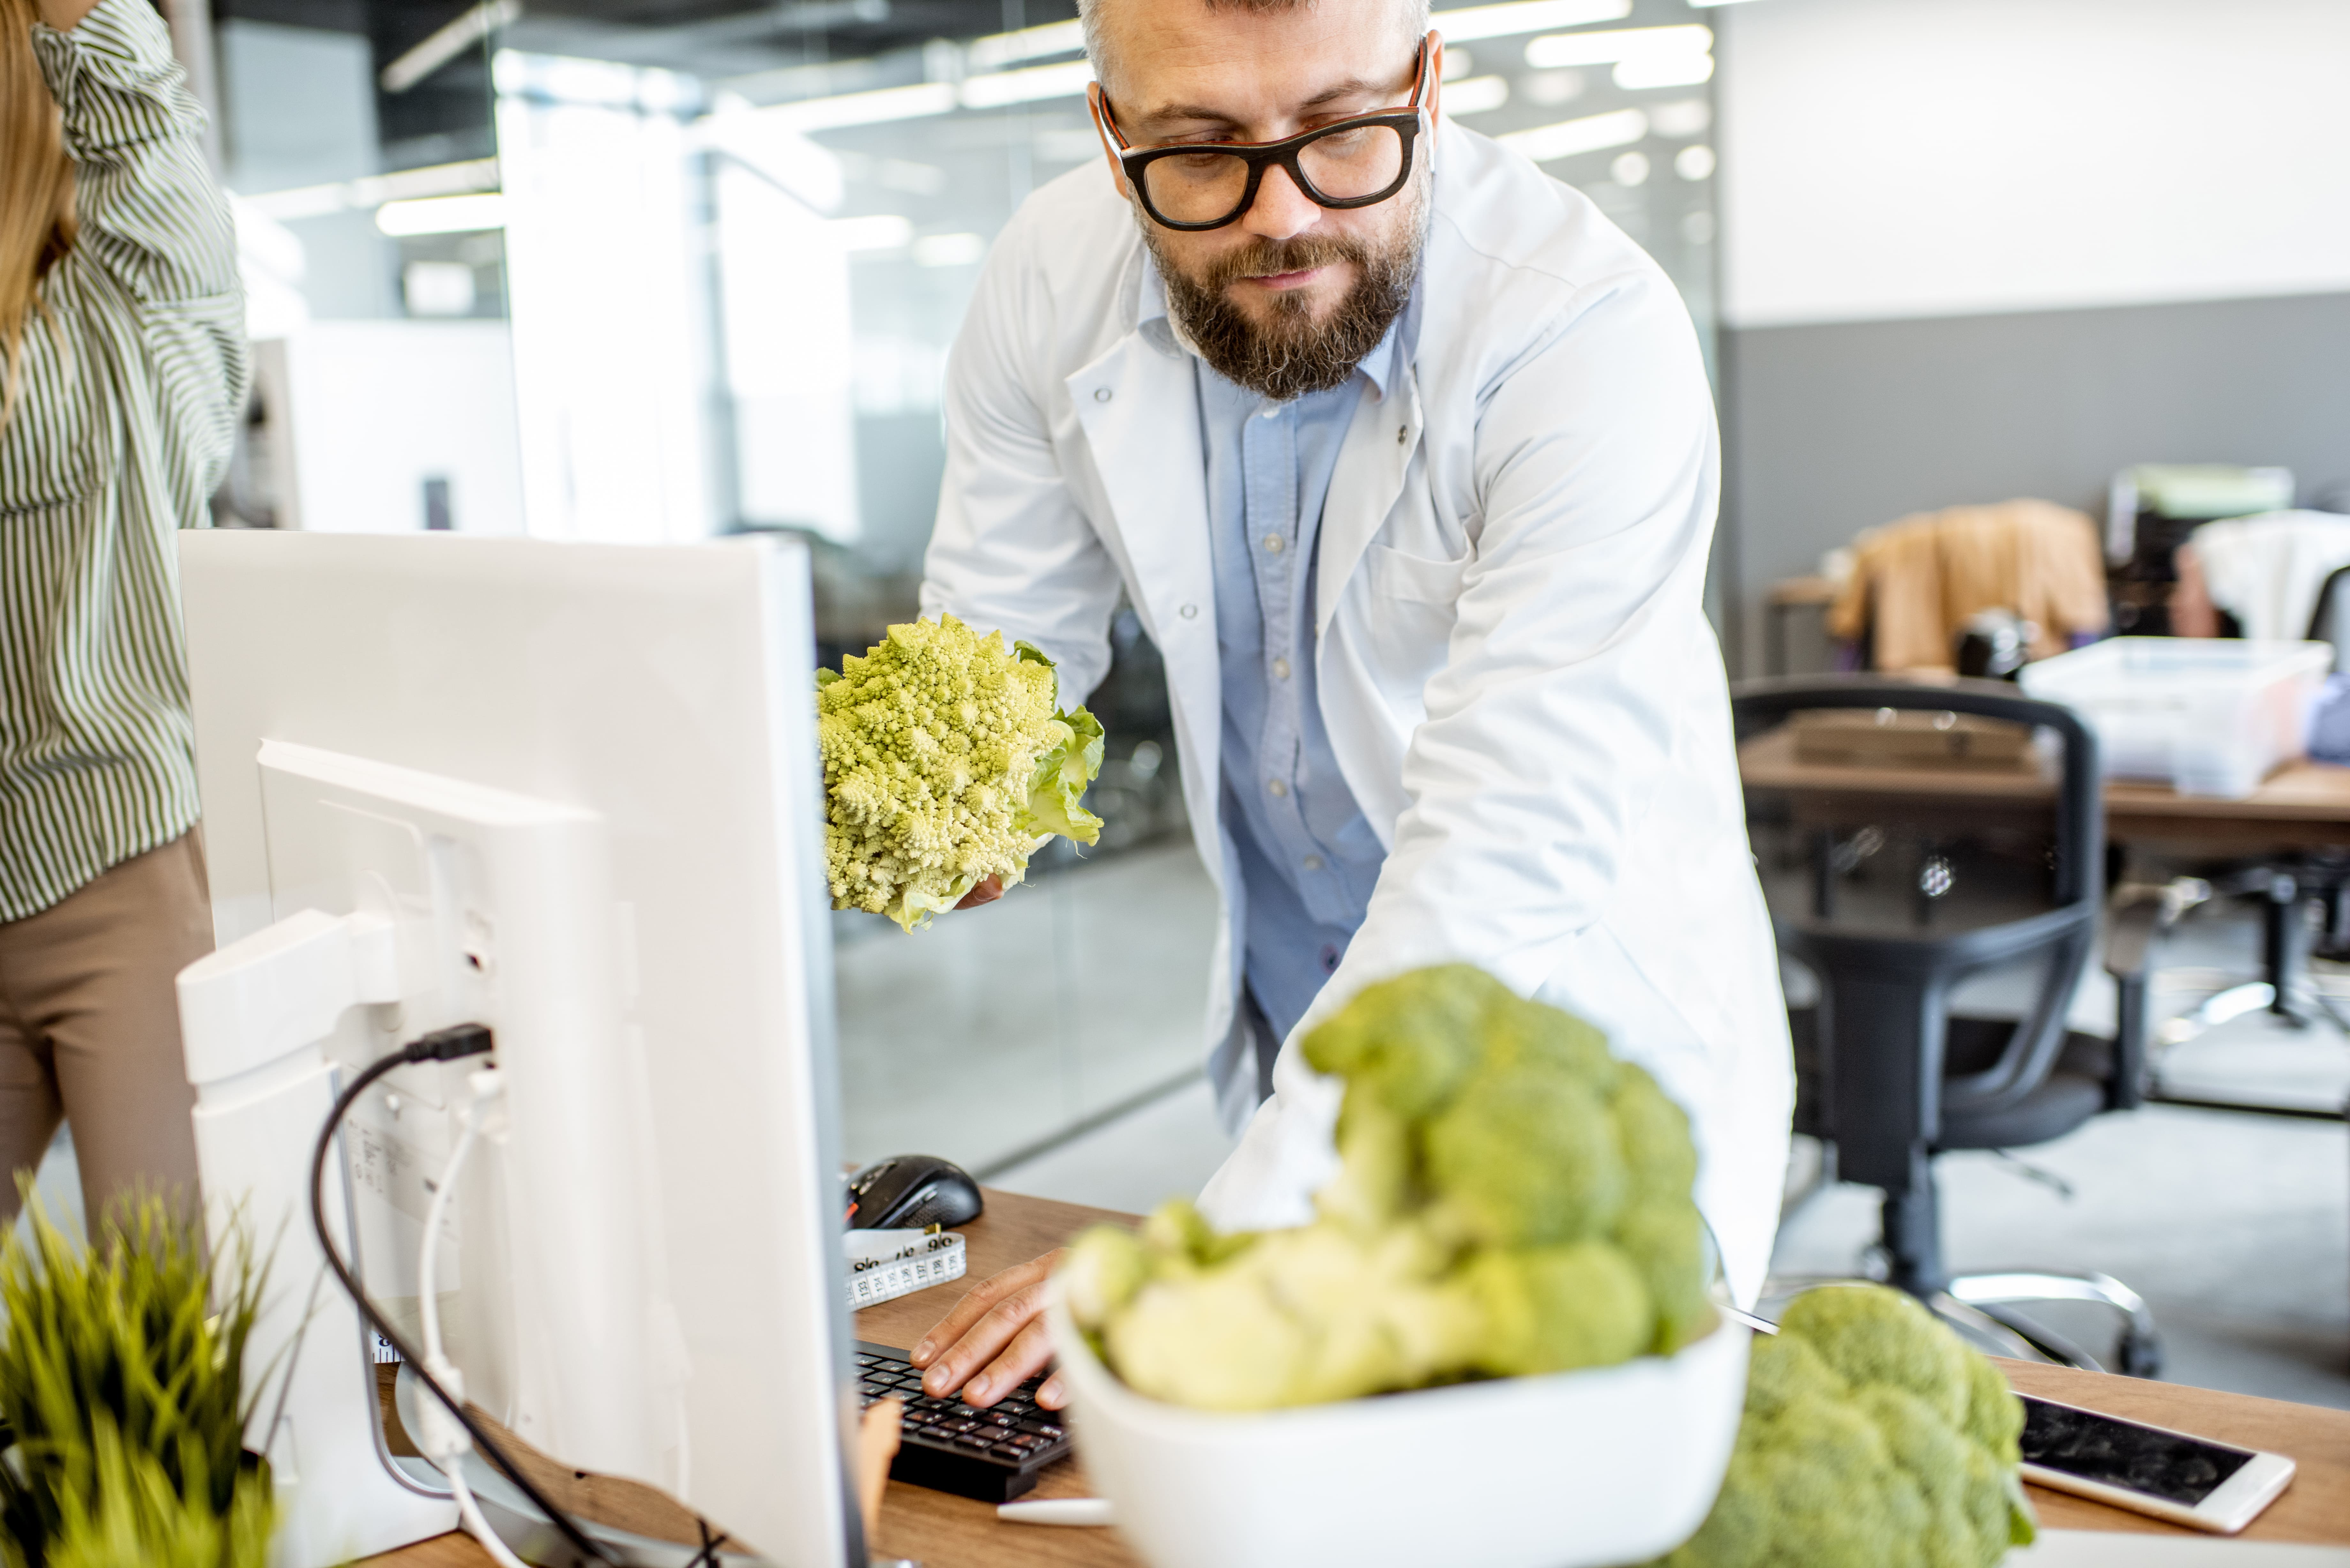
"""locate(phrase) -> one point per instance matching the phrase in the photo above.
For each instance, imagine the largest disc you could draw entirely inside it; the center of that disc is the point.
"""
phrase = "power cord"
(444, 1442)
(450, 1044)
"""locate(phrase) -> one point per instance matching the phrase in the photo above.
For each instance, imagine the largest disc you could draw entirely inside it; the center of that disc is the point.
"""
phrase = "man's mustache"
(1266, 259)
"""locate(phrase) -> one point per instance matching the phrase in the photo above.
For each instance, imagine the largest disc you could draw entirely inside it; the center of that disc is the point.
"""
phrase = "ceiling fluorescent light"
(1616, 44)
(998, 50)
(1475, 95)
(1663, 71)
(442, 215)
(1065, 80)
(881, 232)
(465, 179)
(950, 250)
(1592, 133)
(1524, 17)
(876, 107)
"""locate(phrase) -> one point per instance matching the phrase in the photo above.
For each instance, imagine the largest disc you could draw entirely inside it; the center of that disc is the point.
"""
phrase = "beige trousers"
(90, 1027)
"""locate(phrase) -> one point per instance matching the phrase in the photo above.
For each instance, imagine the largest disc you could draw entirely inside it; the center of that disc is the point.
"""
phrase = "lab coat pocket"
(1413, 578)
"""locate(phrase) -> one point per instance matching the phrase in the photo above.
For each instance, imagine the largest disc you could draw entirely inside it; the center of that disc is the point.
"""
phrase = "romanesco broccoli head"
(1863, 1446)
(944, 762)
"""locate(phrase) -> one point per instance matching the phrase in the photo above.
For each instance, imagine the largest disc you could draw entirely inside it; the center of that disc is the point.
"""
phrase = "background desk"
(2303, 805)
(945, 1532)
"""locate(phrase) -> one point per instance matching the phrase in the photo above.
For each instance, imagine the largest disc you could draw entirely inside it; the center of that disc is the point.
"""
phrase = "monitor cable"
(450, 1044)
(444, 1442)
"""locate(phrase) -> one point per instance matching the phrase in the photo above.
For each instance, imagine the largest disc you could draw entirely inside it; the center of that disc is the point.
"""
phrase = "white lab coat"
(1515, 667)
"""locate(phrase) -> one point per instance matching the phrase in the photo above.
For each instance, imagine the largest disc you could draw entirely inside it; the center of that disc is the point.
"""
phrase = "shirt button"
(1313, 863)
(1280, 787)
(1190, 612)
(1101, 394)
(1281, 670)
(1272, 545)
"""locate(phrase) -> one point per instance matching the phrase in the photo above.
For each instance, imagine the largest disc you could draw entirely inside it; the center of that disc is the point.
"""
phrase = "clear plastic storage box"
(2208, 716)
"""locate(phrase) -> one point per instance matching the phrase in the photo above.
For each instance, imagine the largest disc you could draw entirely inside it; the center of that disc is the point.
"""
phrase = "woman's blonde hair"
(36, 187)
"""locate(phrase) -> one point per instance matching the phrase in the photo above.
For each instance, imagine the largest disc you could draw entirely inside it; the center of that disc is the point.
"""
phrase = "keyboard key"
(1006, 1451)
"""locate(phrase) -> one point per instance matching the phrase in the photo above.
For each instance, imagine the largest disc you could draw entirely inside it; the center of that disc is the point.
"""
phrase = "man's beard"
(1291, 354)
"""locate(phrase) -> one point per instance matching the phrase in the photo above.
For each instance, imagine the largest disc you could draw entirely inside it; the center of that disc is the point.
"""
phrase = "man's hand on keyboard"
(994, 1340)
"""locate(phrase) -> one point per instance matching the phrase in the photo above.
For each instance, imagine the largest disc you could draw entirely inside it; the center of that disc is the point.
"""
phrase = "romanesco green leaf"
(1061, 776)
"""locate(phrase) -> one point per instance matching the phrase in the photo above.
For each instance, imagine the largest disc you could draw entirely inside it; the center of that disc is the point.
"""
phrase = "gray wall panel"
(1835, 428)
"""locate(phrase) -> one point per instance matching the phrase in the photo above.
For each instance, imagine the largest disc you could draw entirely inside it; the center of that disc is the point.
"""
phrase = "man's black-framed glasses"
(1358, 161)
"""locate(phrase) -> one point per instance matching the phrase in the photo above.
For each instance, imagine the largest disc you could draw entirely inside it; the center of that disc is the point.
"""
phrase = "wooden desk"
(2302, 805)
(945, 1532)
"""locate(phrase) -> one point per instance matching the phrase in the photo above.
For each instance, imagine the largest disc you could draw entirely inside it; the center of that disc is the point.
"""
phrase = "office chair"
(2284, 886)
(1887, 1077)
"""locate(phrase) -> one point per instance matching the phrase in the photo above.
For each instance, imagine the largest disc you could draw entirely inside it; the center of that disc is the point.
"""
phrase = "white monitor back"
(644, 710)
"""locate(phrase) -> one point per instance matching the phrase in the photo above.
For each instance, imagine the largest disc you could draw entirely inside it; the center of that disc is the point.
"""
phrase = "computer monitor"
(568, 792)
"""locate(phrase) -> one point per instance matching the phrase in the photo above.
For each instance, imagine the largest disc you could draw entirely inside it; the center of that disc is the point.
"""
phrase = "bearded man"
(1405, 456)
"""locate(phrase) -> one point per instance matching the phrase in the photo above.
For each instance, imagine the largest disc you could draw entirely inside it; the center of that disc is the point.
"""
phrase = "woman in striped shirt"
(121, 338)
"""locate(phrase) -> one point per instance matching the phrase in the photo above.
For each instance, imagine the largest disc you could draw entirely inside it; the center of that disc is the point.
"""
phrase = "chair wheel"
(2140, 1355)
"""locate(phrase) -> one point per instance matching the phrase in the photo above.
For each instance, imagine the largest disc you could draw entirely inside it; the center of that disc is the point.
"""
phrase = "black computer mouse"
(909, 1191)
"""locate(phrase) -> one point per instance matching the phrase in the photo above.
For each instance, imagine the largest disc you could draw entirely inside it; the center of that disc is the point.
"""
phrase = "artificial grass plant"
(122, 1402)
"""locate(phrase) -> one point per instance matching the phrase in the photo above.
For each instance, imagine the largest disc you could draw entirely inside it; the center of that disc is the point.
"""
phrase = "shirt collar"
(1383, 367)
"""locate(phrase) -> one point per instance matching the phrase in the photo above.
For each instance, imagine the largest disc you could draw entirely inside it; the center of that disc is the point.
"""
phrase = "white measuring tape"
(886, 1264)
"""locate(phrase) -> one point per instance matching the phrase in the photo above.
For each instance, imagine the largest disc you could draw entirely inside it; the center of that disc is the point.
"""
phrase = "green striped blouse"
(134, 374)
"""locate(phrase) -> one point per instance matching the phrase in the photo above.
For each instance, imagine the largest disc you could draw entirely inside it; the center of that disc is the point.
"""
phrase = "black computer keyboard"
(994, 1455)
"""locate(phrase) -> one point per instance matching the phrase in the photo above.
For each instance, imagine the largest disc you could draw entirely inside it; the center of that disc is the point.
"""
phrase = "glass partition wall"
(641, 270)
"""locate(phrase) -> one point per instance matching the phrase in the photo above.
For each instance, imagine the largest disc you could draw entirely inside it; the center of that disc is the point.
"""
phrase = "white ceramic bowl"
(1574, 1470)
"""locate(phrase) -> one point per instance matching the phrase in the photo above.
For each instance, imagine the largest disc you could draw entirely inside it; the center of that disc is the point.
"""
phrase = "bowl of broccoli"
(1495, 1343)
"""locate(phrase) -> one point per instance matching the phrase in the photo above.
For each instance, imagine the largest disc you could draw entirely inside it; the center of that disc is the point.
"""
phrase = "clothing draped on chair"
(1915, 582)
(2265, 570)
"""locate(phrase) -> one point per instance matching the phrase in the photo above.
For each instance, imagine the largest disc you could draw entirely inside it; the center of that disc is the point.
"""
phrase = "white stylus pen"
(1055, 1510)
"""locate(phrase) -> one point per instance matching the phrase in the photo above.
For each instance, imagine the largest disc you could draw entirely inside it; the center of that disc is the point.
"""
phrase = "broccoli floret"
(1375, 1165)
(1873, 1335)
(1654, 1135)
(1176, 1234)
(1665, 1242)
(1522, 1032)
(1103, 1269)
(1528, 1156)
(1861, 1446)
(1213, 1339)
(1553, 1309)
(1410, 1041)
(944, 762)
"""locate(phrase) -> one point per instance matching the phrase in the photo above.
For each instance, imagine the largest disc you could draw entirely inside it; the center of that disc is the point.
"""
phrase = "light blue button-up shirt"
(1309, 858)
